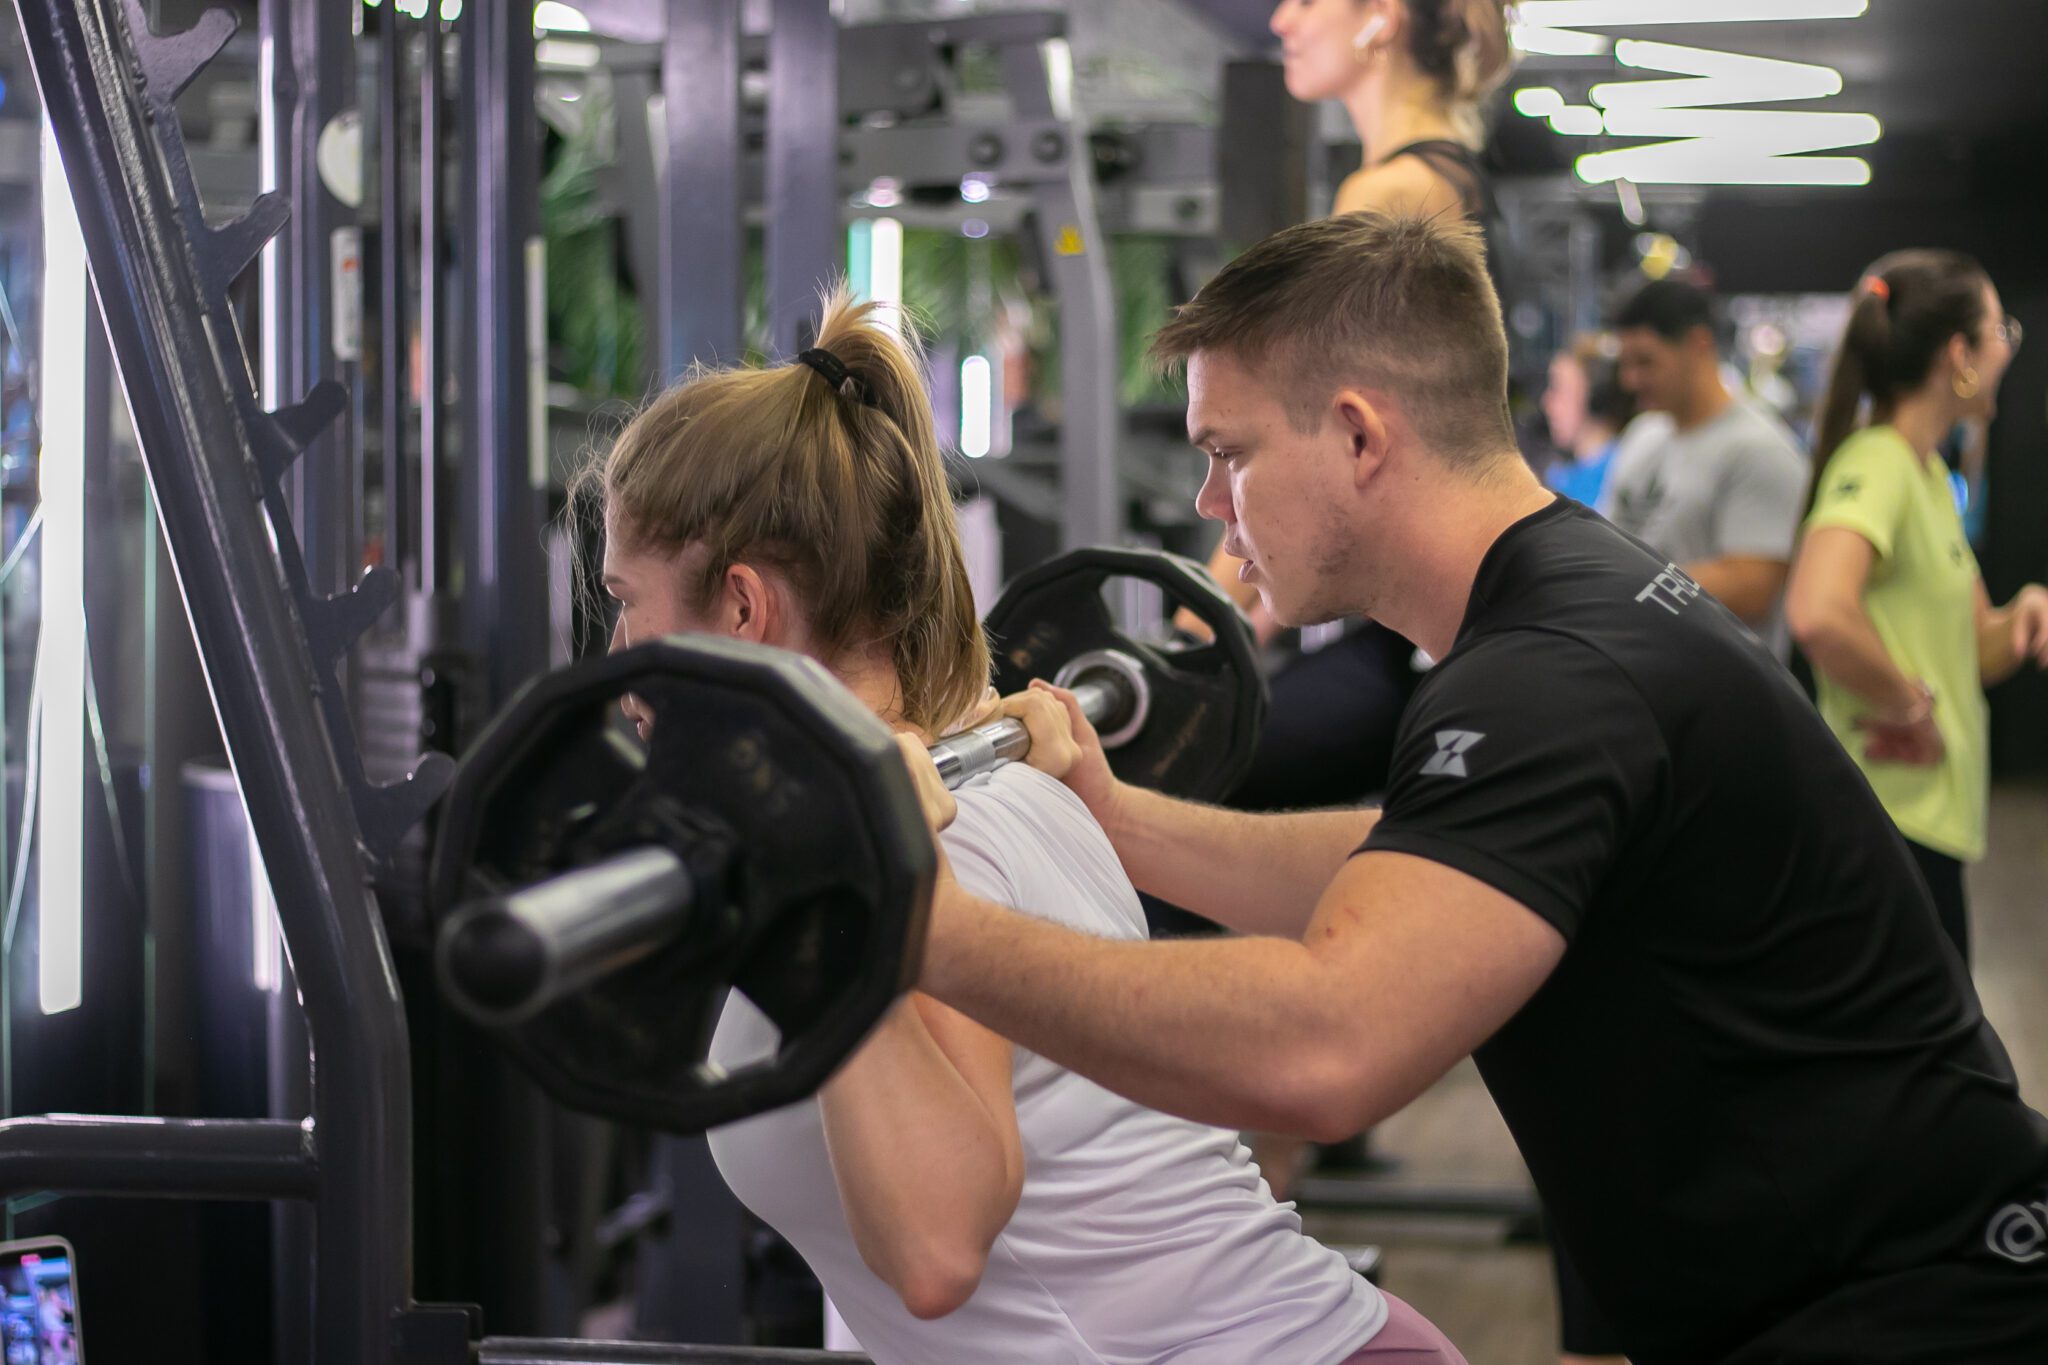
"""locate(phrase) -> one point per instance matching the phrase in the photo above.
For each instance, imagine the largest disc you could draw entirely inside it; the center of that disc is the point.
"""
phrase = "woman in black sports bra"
(1412, 74)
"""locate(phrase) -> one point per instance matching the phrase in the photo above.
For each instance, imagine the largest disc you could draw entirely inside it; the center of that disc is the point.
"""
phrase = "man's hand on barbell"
(1063, 744)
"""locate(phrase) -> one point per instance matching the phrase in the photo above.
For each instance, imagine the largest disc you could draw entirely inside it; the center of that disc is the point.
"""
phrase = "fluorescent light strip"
(554, 17)
(1716, 78)
(885, 270)
(1747, 132)
(1577, 120)
(266, 955)
(270, 348)
(975, 407)
(1558, 42)
(860, 239)
(60, 821)
(1059, 77)
(1677, 163)
(1554, 14)
(1549, 28)
(566, 53)
(1538, 101)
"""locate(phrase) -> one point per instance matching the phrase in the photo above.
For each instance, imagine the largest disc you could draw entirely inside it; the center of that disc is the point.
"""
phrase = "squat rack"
(219, 464)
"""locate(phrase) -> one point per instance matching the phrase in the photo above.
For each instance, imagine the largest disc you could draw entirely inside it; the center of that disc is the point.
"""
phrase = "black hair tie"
(844, 382)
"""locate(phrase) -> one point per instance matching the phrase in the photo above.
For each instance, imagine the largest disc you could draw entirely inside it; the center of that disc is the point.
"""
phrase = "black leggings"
(1944, 878)
(1329, 736)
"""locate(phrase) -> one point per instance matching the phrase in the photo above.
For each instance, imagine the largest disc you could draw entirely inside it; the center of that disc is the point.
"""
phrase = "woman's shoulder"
(1405, 184)
(1875, 449)
(1054, 857)
(1019, 805)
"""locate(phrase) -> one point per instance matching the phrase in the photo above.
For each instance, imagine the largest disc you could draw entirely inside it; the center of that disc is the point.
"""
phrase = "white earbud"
(1374, 27)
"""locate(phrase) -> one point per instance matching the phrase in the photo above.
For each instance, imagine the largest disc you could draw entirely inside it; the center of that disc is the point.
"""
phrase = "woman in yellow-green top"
(1885, 595)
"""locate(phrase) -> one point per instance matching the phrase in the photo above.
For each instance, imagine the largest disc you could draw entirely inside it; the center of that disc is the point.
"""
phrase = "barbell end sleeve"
(506, 958)
(492, 966)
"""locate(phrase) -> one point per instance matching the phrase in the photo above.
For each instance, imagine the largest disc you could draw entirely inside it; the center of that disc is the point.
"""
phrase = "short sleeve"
(1531, 763)
(1758, 513)
(1863, 490)
(975, 849)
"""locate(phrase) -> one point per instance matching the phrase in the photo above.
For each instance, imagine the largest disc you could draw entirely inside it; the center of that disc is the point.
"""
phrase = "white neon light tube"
(1538, 101)
(1558, 42)
(1749, 132)
(885, 270)
(266, 948)
(1631, 13)
(1577, 120)
(1679, 163)
(554, 17)
(976, 406)
(1711, 78)
(60, 819)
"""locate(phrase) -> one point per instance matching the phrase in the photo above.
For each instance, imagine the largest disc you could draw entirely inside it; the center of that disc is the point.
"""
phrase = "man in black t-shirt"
(1621, 862)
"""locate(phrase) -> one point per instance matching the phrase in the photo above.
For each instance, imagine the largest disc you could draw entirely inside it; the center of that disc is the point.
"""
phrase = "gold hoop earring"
(1966, 383)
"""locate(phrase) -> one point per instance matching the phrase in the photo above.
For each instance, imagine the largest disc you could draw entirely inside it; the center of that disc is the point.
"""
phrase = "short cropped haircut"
(1670, 308)
(1398, 303)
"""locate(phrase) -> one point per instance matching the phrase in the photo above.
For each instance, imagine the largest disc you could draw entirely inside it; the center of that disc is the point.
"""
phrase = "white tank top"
(1138, 1237)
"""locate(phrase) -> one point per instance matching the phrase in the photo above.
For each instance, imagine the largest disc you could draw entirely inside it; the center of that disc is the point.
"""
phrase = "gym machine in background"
(277, 637)
(224, 467)
(402, 660)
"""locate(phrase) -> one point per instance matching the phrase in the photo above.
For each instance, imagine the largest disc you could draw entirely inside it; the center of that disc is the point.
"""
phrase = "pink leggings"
(1408, 1338)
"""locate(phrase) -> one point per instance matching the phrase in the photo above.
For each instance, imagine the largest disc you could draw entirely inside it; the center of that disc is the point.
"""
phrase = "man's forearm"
(1260, 874)
(1222, 1031)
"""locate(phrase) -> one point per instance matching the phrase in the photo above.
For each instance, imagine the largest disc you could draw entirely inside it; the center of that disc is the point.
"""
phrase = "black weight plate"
(1208, 703)
(833, 875)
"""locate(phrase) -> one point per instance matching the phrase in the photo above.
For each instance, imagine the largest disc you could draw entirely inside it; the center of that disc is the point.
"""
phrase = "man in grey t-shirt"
(1710, 480)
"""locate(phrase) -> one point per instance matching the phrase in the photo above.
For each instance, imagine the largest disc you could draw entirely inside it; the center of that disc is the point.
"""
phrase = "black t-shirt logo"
(1848, 488)
(2019, 1232)
(1449, 758)
(1671, 590)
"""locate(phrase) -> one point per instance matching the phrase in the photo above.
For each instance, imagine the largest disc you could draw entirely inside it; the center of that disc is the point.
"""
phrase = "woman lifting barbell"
(958, 1199)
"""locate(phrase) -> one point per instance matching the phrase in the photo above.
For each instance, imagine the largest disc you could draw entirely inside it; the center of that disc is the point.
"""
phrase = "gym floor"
(1495, 1301)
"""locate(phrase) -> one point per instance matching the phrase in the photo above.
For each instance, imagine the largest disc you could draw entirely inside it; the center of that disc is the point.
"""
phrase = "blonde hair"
(842, 490)
(1463, 45)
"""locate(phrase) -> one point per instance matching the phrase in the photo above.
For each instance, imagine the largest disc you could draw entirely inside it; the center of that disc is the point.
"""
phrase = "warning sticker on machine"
(1069, 243)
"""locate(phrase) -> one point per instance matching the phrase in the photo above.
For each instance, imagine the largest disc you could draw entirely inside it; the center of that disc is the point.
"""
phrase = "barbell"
(595, 898)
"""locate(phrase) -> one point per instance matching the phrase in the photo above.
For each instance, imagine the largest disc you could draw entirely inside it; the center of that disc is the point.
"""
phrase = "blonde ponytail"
(1486, 56)
(842, 488)
(1464, 46)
